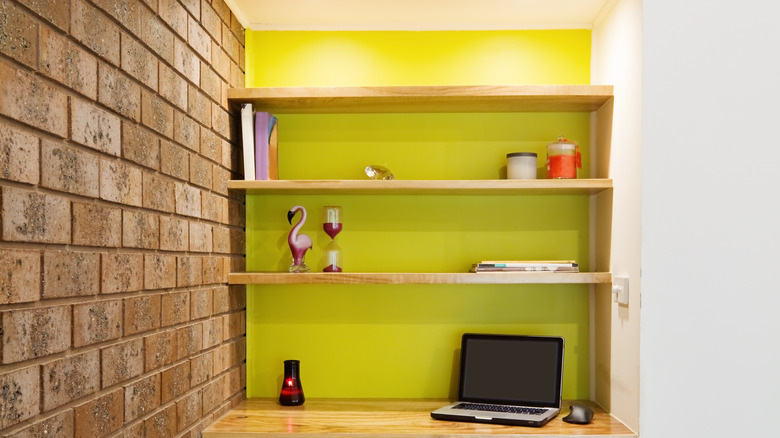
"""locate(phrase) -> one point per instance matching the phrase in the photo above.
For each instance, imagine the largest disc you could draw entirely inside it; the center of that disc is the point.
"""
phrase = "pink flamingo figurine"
(299, 243)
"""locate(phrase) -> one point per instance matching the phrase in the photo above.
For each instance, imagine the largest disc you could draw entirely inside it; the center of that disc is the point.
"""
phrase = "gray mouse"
(579, 414)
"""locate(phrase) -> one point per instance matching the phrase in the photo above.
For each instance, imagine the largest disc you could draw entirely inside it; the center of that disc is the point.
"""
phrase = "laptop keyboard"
(500, 408)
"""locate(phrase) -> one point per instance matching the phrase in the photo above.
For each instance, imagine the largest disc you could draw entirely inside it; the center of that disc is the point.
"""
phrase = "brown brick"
(19, 399)
(234, 325)
(202, 303)
(59, 425)
(32, 333)
(221, 299)
(159, 271)
(237, 76)
(175, 308)
(213, 394)
(19, 159)
(210, 83)
(67, 63)
(237, 296)
(187, 200)
(211, 22)
(237, 28)
(173, 87)
(69, 169)
(95, 128)
(55, 11)
(189, 340)
(70, 274)
(18, 34)
(20, 276)
(96, 225)
(120, 183)
(99, 417)
(221, 179)
(30, 99)
(200, 237)
(142, 397)
(156, 34)
(136, 430)
(222, 10)
(233, 383)
(199, 106)
(122, 362)
(97, 321)
(220, 62)
(212, 207)
(139, 62)
(230, 43)
(122, 272)
(120, 93)
(213, 270)
(175, 381)
(158, 192)
(156, 114)
(188, 410)
(142, 314)
(231, 157)
(126, 12)
(221, 239)
(200, 369)
(174, 161)
(187, 131)
(220, 120)
(160, 349)
(189, 271)
(71, 378)
(212, 332)
(172, 12)
(85, 19)
(162, 424)
(174, 234)
(201, 172)
(140, 229)
(198, 39)
(210, 144)
(140, 145)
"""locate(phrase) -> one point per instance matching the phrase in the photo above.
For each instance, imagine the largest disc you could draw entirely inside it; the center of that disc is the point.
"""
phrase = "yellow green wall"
(401, 340)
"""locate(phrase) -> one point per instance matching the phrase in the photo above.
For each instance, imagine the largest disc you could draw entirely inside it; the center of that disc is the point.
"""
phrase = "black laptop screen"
(518, 370)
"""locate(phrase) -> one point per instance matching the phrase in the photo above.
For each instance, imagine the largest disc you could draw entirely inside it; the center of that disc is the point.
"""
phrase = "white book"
(248, 136)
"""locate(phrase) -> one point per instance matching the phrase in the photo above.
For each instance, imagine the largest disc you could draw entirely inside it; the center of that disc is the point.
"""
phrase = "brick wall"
(117, 228)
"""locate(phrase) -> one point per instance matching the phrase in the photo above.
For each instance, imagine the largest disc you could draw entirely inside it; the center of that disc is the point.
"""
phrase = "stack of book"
(259, 132)
(525, 266)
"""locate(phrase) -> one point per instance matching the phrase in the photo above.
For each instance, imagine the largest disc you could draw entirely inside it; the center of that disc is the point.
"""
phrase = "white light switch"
(620, 290)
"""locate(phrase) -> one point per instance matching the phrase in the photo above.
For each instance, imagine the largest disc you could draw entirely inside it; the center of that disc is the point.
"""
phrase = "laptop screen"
(509, 369)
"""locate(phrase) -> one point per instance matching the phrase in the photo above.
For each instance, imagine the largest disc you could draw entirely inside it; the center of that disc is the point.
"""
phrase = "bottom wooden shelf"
(372, 418)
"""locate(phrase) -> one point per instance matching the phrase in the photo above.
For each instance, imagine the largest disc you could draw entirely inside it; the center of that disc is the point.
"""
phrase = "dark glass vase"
(292, 390)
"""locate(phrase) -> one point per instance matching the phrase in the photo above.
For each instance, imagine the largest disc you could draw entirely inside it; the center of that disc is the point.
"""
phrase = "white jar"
(521, 165)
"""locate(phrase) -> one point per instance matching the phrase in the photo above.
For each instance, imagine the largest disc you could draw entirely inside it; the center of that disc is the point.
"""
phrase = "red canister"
(563, 159)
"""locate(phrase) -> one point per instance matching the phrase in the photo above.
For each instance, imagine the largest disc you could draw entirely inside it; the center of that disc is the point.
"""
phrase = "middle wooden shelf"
(425, 187)
(420, 278)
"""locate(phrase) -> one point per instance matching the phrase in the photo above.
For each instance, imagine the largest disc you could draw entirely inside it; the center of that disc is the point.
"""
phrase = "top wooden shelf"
(415, 99)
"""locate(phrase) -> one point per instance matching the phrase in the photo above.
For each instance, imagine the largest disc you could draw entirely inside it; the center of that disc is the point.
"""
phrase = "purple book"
(262, 120)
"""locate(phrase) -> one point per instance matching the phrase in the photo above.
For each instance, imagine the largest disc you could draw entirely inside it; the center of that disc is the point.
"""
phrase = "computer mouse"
(579, 414)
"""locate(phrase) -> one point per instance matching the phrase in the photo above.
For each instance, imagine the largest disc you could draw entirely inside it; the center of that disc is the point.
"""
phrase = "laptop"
(507, 379)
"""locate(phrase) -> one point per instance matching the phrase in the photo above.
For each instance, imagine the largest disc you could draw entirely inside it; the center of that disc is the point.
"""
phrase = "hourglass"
(332, 225)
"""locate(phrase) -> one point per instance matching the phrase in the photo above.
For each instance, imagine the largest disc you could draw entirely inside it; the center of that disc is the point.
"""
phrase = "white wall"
(617, 60)
(711, 219)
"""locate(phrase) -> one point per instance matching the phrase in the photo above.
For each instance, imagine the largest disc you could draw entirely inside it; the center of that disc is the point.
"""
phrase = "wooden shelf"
(417, 99)
(374, 418)
(420, 278)
(425, 187)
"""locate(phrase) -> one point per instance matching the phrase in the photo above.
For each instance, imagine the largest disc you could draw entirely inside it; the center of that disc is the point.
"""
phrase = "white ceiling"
(416, 14)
